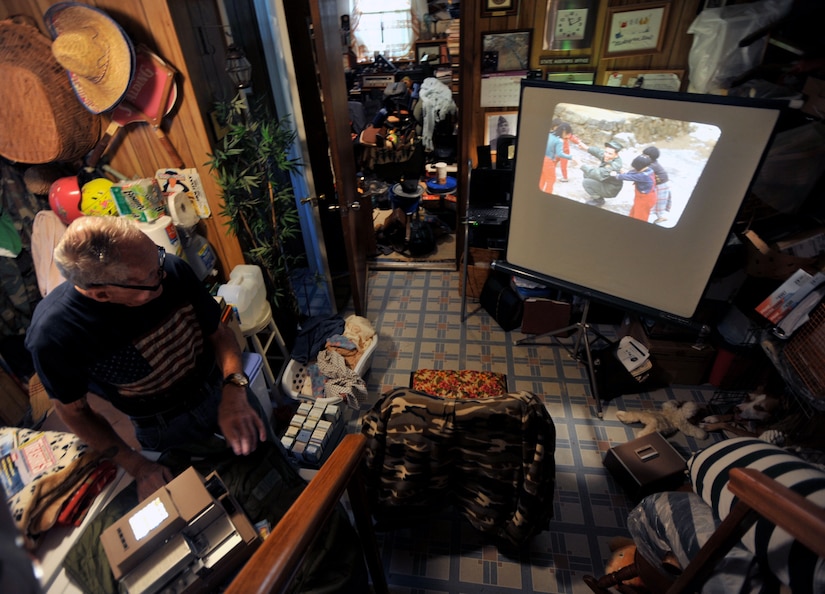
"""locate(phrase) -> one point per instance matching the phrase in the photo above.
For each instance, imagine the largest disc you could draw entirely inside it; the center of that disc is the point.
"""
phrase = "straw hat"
(97, 53)
(42, 119)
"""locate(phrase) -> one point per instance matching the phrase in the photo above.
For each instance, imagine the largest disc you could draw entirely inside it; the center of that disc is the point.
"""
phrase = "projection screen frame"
(530, 212)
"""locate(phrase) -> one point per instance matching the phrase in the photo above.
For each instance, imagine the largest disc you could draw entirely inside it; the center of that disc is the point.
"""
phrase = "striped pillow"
(792, 563)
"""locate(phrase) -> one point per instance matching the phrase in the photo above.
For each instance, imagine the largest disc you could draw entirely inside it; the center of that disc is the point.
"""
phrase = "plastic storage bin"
(295, 382)
(252, 365)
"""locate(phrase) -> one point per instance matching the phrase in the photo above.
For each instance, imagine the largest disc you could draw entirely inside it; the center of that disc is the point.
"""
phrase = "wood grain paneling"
(164, 26)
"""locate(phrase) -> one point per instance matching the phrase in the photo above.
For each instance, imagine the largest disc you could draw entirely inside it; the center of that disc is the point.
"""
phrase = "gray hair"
(92, 250)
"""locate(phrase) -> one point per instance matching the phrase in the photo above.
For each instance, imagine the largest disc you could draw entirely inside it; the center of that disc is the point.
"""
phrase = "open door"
(356, 216)
(303, 37)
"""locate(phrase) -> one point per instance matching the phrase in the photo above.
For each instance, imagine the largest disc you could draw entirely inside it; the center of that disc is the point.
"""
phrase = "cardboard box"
(682, 359)
(682, 362)
(545, 315)
(646, 465)
(808, 244)
(765, 261)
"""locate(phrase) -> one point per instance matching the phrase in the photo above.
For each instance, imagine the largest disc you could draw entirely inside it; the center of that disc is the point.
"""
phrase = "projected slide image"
(632, 165)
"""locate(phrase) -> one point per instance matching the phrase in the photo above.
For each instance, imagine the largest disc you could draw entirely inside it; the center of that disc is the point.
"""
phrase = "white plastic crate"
(295, 382)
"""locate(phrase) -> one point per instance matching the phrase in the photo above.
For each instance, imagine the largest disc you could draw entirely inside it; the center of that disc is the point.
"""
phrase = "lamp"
(238, 67)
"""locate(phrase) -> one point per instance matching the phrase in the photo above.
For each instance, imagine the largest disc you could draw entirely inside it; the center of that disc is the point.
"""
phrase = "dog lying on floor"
(750, 417)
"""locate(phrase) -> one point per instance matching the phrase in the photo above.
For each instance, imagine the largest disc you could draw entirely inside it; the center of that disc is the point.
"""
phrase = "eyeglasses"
(161, 260)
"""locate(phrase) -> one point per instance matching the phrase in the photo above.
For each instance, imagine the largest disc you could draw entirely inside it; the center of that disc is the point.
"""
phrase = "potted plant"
(252, 166)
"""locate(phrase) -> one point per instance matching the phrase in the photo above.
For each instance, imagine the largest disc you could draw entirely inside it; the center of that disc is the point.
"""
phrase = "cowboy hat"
(96, 52)
(42, 119)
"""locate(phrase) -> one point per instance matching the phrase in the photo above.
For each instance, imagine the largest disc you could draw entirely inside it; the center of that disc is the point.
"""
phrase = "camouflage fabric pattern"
(18, 281)
(492, 458)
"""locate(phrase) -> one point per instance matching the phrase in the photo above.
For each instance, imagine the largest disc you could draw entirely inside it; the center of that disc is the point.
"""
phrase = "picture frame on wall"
(429, 49)
(656, 80)
(576, 78)
(495, 8)
(569, 25)
(498, 123)
(505, 51)
(635, 30)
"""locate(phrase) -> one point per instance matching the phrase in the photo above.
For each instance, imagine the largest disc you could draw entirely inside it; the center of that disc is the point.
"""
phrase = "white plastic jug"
(247, 293)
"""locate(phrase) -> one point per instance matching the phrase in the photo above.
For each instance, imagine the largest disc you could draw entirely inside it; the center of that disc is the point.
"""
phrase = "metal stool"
(265, 325)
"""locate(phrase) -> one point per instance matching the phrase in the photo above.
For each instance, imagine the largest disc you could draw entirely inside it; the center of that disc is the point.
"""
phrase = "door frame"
(277, 53)
(356, 218)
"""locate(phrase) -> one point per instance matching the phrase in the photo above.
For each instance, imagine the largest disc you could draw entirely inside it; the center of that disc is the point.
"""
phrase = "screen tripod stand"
(581, 342)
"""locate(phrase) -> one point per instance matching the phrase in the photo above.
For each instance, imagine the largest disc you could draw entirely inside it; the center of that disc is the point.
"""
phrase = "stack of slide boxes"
(313, 432)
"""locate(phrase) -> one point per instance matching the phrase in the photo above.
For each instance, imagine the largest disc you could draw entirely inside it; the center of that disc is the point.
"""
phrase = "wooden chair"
(275, 563)
(758, 496)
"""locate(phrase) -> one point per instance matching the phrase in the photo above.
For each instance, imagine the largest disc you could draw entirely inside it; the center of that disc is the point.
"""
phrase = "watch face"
(237, 379)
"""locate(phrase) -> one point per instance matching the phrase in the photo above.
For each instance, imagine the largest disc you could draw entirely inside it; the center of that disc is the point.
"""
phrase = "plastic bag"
(715, 58)
(784, 181)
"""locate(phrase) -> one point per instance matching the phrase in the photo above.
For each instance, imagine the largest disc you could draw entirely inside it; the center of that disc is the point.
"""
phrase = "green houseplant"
(252, 166)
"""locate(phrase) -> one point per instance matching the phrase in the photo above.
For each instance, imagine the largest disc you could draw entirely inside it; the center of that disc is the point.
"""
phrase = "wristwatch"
(236, 379)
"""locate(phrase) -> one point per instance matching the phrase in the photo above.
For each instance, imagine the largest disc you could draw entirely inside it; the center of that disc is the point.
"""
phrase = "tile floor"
(417, 315)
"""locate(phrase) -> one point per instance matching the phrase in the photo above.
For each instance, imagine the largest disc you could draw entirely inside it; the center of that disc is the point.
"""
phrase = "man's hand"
(149, 477)
(240, 424)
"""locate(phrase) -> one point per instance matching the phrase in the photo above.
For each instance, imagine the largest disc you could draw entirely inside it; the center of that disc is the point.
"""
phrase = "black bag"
(422, 240)
(502, 302)
(614, 380)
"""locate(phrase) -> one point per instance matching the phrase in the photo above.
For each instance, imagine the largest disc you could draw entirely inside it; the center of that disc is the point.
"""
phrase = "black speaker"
(485, 159)
(505, 151)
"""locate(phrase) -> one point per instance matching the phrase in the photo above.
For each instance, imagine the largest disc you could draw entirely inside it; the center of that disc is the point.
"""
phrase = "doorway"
(404, 117)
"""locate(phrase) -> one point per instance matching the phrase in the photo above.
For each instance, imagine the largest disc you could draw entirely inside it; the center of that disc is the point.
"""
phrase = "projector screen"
(610, 230)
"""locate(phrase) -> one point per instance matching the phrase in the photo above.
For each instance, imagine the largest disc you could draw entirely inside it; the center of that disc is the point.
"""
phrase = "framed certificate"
(635, 30)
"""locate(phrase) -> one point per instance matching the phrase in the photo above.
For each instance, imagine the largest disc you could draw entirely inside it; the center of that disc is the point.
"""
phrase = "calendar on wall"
(501, 90)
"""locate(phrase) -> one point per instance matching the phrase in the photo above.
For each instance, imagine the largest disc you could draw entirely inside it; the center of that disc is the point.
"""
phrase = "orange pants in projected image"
(548, 175)
(643, 204)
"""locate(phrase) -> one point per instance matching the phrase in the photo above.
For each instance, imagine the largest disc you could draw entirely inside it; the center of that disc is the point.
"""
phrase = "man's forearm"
(227, 352)
(96, 431)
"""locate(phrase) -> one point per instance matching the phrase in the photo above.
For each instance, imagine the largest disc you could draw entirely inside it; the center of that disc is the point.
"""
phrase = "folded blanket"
(36, 507)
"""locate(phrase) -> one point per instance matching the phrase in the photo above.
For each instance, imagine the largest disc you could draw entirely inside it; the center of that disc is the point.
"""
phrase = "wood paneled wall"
(175, 30)
(532, 15)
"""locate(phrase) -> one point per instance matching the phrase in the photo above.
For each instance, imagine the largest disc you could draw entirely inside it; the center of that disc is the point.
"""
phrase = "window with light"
(386, 27)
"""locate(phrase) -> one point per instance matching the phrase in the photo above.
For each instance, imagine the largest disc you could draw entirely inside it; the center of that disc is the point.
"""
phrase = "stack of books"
(453, 48)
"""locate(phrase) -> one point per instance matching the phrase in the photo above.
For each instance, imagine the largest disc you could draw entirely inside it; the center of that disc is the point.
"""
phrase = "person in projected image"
(567, 138)
(598, 182)
(644, 181)
(663, 198)
(553, 153)
(137, 327)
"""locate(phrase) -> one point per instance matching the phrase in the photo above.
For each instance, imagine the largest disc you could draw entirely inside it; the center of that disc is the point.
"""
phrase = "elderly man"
(135, 325)
(598, 181)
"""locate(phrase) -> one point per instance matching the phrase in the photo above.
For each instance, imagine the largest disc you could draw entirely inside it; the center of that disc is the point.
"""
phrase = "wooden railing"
(277, 560)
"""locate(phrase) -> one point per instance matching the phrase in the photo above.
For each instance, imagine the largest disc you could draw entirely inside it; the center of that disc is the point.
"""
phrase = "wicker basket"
(806, 353)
